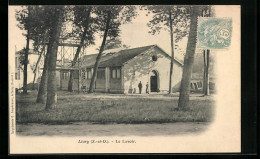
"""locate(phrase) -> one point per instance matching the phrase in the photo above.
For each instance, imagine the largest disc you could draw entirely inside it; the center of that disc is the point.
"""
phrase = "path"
(89, 129)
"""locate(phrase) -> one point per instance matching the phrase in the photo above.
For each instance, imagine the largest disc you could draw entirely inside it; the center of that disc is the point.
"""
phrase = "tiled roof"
(123, 56)
(116, 57)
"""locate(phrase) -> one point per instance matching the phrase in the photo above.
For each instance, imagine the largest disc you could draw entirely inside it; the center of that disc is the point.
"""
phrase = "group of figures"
(140, 86)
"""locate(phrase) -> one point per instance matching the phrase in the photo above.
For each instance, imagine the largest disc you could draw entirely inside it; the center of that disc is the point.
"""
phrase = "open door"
(154, 82)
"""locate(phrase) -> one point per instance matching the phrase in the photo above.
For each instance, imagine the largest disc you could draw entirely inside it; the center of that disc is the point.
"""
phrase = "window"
(113, 73)
(116, 73)
(89, 74)
(101, 74)
(17, 75)
(65, 75)
(154, 58)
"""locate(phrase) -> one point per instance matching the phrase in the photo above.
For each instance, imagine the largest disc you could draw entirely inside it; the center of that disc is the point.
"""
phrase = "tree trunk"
(34, 76)
(204, 71)
(70, 85)
(172, 49)
(189, 59)
(26, 63)
(207, 91)
(53, 44)
(207, 75)
(206, 60)
(41, 98)
(93, 79)
(36, 65)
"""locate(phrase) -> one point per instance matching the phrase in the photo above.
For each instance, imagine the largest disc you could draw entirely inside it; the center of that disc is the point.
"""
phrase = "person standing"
(147, 86)
(140, 87)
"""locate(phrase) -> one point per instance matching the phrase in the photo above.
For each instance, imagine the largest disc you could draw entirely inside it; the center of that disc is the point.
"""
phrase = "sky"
(133, 34)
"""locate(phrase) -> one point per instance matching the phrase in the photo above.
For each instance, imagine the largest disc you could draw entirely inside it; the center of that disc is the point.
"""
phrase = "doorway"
(154, 81)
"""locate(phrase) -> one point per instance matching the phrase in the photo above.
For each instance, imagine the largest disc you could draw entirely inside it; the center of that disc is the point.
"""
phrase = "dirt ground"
(143, 96)
(90, 129)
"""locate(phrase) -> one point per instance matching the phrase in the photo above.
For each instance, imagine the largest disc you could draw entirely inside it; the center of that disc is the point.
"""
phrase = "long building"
(121, 70)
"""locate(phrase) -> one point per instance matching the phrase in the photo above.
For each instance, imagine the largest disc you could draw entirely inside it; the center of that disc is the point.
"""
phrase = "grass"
(72, 107)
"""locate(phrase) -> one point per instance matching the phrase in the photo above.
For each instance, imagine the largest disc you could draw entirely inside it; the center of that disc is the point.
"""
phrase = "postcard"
(124, 79)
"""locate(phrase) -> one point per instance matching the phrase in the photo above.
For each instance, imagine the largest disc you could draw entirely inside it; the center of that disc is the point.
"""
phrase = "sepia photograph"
(124, 78)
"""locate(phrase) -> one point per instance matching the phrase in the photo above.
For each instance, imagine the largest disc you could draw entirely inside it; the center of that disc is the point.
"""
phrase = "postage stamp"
(214, 33)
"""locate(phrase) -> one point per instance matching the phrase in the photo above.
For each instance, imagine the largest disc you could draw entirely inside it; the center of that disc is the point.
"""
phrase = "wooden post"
(107, 78)
(204, 71)
(122, 78)
(206, 91)
(172, 51)
(78, 76)
(207, 75)
(38, 81)
(206, 13)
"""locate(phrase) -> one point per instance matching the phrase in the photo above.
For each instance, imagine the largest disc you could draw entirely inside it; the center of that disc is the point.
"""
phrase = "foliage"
(114, 43)
(198, 63)
(160, 20)
(39, 21)
(81, 23)
(22, 59)
(32, 18)
(109, 20)
(118, 15)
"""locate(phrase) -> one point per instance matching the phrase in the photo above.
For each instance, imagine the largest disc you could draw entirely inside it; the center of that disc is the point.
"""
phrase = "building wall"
(100, 84)
(63, 77)
(30, 75)
(140, 69)
(18, 72)
(58, 79)
(106, 84)
(86, 82)
(115, 83)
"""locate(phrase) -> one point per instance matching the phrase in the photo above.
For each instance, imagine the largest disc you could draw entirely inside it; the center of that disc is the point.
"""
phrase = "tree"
(24, 17)
(31, 19)
(42, 33)
(37, 65)
(206, 72)
(34, 19)
(110, 18)
(57, 15)
(43, 84)
(206, 12)
(175, 20)
(84, 28)
(114, 44)
(183, 103)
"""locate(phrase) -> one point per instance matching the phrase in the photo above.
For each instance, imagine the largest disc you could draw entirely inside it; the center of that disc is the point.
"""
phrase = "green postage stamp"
(214, 33)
